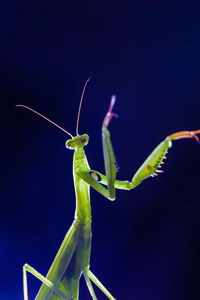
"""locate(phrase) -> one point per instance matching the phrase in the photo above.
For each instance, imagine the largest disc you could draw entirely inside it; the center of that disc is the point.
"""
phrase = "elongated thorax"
(82, 189)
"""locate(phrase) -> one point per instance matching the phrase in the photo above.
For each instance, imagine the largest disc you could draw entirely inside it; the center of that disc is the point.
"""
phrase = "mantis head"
(77, 142)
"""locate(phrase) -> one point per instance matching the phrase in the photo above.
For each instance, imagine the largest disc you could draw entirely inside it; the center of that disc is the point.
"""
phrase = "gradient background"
(146, 243)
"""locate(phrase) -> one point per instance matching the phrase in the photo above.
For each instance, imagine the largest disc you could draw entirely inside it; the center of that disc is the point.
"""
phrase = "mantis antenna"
(79, 109)
(37, 113)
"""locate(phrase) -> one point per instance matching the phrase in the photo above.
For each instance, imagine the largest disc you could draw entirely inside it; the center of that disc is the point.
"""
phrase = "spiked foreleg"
(153, 163)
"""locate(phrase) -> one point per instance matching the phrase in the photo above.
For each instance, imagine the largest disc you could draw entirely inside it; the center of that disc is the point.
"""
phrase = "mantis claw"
(185, 134)
(110, 114)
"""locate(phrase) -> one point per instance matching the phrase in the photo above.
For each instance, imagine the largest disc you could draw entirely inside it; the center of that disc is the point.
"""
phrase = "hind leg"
(89, 285)
(47, 282)
(99, 284)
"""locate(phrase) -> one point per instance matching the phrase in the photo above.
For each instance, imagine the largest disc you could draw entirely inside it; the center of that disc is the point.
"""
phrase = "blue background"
(146, 243)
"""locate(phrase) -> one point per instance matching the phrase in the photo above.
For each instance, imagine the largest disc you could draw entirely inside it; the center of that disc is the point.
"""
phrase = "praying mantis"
(73, 257)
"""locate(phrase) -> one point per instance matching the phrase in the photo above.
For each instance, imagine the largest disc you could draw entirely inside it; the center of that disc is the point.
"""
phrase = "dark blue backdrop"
(146, 243)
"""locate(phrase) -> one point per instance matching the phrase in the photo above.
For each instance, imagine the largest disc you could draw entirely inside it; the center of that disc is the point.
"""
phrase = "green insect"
(73, 257)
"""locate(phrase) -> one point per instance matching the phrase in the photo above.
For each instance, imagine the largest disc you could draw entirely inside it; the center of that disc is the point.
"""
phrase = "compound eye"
(68, 145)
(83, 140)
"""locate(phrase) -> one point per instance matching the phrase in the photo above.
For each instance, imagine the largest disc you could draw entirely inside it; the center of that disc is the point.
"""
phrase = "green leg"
(95, 184)
(152, 165)
(108, 153)
(89, 285)
(46, 281)
(122, 185)
(100, 285)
